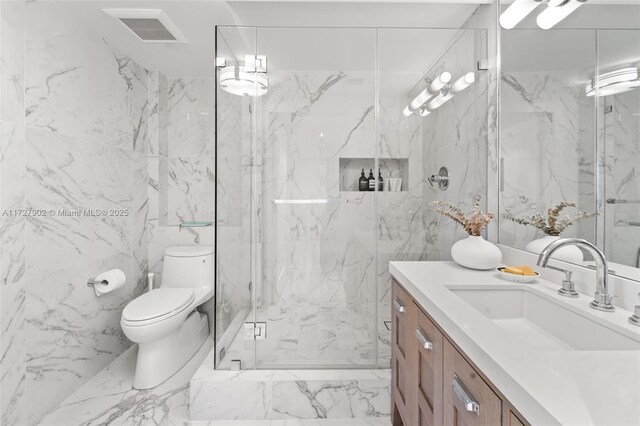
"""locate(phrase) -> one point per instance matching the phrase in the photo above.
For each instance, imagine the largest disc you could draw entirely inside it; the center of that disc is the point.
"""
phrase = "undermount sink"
(542, 322)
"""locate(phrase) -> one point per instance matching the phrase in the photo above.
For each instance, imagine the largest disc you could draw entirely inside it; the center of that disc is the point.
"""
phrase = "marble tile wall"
(191, 148)
(456, 135)
(74, 129)
(12, 227)
(547, 149)
(316, 255)
(180, 164)
(289, 394)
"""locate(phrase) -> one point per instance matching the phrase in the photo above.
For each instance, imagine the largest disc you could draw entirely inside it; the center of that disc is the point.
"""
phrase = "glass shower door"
(234, 227)
(316, 232)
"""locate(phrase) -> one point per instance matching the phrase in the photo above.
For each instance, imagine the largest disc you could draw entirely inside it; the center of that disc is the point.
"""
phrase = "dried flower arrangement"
(552, 224)
(474, 224)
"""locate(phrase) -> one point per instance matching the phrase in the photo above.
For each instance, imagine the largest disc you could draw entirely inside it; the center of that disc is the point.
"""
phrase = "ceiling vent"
(149, 25)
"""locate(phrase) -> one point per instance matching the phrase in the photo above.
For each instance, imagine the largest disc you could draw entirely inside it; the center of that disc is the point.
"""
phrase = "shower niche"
(351, 169)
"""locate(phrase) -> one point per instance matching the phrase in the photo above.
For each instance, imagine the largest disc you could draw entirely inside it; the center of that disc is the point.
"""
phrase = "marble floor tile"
(109, 398)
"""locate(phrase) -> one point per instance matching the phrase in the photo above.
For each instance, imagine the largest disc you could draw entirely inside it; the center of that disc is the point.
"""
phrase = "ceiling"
(322, 48)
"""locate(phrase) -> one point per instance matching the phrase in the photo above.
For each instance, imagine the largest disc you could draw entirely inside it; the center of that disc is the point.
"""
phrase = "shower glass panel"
(234, 228)
(315, 287)
(303, 255)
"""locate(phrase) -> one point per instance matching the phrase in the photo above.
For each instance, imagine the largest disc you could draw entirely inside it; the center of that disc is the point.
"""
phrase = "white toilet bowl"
(164, 322)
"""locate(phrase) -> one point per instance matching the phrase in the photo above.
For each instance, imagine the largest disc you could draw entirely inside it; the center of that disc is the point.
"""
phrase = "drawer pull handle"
(424, 341)
(465, 397)
(399, 306)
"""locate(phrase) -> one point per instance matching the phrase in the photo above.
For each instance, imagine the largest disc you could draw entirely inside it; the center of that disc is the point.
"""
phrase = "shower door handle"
(399, 306)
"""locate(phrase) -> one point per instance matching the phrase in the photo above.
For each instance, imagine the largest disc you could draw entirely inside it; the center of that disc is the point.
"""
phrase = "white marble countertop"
(547, 387)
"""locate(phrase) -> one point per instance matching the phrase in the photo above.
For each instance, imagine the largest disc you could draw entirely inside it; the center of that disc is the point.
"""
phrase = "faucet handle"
(568, 287)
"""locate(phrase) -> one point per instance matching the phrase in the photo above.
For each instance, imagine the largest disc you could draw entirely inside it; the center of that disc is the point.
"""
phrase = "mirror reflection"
(570, 143)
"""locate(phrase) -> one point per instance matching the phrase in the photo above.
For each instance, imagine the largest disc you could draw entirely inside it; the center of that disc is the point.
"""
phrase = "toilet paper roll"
(114, 278)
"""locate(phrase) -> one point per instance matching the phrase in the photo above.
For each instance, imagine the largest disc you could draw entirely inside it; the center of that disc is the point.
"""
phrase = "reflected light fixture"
(516, 12)
(238, 80)
(555, 11)
(614, 82)
(549, 17)
(434, 87)
(247, 80)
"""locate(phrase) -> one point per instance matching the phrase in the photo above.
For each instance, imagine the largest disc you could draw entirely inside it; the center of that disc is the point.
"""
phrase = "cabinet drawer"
(467, 398)
(429, 355)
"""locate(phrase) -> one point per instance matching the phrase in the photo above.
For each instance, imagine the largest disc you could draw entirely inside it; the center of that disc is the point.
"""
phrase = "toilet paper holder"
(91, 282)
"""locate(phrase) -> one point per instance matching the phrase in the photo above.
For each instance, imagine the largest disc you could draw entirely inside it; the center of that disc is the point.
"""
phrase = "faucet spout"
(602, 299)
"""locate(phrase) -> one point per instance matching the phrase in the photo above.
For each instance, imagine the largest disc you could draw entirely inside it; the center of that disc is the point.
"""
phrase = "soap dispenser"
(363, 183)
(380, 181)
(372, 181)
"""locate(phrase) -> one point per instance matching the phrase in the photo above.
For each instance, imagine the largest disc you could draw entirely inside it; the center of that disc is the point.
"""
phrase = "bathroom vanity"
(470, 348)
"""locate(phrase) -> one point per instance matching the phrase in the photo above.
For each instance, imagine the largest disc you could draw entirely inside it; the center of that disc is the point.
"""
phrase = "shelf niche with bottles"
(351, 169)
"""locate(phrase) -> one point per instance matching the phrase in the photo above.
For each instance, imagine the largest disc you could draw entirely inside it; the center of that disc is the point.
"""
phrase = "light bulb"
(549, 17)
(463, 82)
(420, 99)
(439, 82)
(516, 12)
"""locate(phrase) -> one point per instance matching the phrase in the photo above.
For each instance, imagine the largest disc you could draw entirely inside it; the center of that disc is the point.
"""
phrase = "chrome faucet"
(602, 299)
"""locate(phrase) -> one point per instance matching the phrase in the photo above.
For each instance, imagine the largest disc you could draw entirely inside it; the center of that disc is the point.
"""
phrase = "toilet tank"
(188, 266)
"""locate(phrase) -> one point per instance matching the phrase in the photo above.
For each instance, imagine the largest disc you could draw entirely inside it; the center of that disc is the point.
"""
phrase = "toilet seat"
(157, 305)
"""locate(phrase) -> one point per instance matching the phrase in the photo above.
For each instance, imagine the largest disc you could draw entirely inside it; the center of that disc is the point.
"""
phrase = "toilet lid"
(158, 303)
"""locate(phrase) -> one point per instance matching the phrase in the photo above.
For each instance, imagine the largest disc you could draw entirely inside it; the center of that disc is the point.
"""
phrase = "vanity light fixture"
(516, 12)
(248, 80)
(434, 87)
(458, 86)
(553, 14)
(614, 82)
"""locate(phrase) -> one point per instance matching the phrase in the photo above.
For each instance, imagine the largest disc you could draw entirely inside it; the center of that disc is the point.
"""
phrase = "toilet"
(164, 322)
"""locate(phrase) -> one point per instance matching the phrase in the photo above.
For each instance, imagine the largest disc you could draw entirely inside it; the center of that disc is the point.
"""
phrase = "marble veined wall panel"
(456, 136)
(543, 148)
(12, 226)
(86, 112)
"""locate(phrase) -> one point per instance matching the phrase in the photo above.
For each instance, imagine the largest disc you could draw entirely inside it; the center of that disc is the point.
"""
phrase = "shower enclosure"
(302, 276)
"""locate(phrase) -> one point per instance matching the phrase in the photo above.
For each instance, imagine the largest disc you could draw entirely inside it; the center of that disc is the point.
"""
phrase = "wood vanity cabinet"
(433, 382)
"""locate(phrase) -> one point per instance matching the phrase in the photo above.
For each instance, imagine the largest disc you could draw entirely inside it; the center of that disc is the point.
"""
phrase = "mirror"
(569, 152)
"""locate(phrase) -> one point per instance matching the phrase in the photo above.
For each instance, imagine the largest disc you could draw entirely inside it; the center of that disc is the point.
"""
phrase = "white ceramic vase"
(476, 253)
(571, 254)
